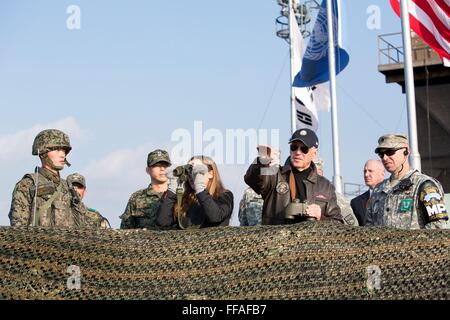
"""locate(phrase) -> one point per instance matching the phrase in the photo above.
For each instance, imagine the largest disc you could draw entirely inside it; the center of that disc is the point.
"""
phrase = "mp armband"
(434, 203)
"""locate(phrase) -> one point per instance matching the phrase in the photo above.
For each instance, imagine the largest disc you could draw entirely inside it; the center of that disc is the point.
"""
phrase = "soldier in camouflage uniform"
(141, 209)
(93, 217)
(250, 208)
(408, 199)
(343, 203)
(346, 210)
(43, 198)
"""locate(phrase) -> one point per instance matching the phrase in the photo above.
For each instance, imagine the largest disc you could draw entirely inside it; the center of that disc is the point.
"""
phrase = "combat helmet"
(50, 139)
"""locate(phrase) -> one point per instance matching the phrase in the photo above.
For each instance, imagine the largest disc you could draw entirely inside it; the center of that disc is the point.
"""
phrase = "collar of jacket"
(53, 177)
(152, 192)
(312, 177)
(388, 186)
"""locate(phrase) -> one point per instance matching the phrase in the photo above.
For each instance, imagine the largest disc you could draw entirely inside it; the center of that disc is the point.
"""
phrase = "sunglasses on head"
(304, 149)
(388, 152)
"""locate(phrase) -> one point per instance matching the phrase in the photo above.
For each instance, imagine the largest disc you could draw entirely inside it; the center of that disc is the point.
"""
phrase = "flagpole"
(291, 49)
(337, 179)
(409, 85)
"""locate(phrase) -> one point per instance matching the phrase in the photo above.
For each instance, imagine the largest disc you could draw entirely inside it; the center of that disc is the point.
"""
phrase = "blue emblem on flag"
(315, 68)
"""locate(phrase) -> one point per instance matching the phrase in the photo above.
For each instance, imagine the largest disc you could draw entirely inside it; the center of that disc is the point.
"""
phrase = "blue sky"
(138, 71)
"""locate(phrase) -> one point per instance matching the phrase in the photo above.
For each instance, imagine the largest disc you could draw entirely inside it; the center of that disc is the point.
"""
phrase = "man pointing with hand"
(294, 192)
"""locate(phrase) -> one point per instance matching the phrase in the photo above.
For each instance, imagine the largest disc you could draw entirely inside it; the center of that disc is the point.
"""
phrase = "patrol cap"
(307, 136)
(391, 141)
(158, 156)
(76, 178)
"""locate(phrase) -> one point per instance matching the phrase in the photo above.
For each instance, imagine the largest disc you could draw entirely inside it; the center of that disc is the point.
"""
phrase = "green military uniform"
(43, 198)
(96, 220)
(93, 218)
(141, 210)
(250, 208)
(143, 205)
(414, 202)
(346, 210)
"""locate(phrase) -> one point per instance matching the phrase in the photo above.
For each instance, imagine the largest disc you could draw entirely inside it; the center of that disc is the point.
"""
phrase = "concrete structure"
(432, 86)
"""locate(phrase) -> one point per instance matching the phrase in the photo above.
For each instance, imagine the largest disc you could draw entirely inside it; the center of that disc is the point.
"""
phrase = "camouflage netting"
(303, 261)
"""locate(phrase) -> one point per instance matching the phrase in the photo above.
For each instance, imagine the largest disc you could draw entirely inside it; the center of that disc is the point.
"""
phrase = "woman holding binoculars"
(196, 198)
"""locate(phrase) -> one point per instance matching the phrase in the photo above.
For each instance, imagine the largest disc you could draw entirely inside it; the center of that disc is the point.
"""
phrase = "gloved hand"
(172, 184)
(199, 172)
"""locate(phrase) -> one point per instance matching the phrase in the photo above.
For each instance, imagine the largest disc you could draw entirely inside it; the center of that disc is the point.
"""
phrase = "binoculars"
(296, 212)
(183, 172)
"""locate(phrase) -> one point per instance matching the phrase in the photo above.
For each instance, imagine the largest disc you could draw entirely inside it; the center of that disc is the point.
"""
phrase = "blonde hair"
(215, 187)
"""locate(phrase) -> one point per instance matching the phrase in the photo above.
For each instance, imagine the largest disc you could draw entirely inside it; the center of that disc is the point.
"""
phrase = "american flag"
(430, 19)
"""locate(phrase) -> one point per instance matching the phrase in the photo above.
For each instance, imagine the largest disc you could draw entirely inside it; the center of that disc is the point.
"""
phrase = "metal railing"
(303, 10)
(390, 50)
(352, 190)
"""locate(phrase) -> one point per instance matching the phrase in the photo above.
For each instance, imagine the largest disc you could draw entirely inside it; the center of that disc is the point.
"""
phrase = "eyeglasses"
(304, 149)
(388, 152)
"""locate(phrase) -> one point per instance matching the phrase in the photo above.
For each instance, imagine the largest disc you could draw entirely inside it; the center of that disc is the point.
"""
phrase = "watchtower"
(432, 90)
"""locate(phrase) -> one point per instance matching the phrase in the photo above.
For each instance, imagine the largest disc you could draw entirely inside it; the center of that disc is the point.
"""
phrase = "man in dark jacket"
(293, 192)
(373, 175)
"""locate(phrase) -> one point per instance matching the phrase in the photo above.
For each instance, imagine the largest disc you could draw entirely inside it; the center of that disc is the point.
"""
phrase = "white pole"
(291, 49)
(409, 84)
(337, 179)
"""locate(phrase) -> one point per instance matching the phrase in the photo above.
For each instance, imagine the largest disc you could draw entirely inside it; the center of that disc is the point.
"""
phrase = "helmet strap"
(48, 161)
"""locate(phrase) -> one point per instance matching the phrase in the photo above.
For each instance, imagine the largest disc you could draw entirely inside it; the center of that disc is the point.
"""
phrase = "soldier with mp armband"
(408, 199)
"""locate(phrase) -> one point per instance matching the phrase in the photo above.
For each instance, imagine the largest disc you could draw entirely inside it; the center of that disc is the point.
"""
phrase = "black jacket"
(274, 189)
(359, 205)
(209, 212)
